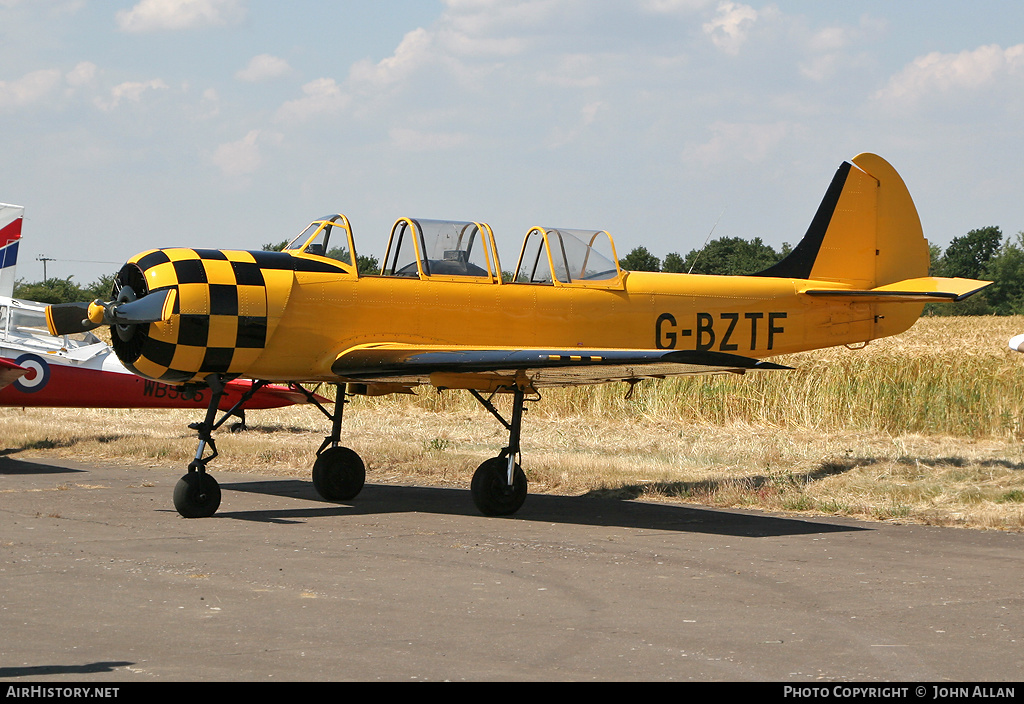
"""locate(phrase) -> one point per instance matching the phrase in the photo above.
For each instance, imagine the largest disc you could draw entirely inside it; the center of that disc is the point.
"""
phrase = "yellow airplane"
(440, 313)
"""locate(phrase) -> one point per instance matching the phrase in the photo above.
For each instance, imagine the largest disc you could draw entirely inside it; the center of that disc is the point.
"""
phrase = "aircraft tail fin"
(10, 236)
(865, 234)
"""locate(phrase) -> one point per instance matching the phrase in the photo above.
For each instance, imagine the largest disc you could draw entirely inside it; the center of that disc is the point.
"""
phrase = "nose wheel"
(197, 494)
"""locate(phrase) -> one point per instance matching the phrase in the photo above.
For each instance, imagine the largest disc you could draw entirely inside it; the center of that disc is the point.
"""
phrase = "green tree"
(1006, 270)
(640, 260)
(968, 256)
(935, 257)
(673, 263)
(51, 291)
(971, 257)
(731, 256)
(100, 288)
(367, 264)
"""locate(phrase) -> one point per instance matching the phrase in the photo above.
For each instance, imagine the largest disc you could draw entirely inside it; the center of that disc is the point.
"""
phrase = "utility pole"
(43, 259)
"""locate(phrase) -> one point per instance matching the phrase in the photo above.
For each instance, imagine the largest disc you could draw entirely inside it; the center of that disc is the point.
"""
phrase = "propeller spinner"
(126, 311)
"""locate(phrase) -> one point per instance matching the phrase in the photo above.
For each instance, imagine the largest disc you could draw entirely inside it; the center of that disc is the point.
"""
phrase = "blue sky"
(127, 125)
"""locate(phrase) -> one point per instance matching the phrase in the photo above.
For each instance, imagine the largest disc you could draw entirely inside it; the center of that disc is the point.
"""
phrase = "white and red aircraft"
(81, 370)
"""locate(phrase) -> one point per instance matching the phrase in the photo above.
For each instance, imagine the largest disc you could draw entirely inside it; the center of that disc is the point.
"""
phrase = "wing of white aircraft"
(10, 372)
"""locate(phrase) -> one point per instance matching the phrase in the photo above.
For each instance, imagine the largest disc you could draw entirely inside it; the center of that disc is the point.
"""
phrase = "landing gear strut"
(338, 473)
(499, 484)
(197, 494)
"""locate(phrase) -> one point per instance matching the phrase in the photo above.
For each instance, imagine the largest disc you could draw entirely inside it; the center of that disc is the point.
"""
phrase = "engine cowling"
(226, 308)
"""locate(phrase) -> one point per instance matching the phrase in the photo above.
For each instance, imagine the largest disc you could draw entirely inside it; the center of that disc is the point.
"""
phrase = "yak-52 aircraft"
(439, 313)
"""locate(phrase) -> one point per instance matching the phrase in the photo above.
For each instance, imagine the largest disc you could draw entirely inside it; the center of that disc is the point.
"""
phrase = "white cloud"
(239, 158)
(573, 71)
(938, 73)
(415, 49)
(207, 108)
(262, 68)
(81, 75)
(154, 15)
(467, 40)
(669, 7)
(839, 47)
(416, 141)
(753, 143)
(30, 88)
(731, 26)
(589, 115)
(41, 86)
(131, 91)
(322, 97)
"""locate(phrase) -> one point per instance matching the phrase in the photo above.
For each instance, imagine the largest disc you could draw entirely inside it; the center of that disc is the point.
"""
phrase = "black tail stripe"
(800, 261)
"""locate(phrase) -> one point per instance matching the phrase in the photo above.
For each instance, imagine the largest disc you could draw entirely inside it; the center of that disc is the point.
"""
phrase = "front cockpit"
(330, 236)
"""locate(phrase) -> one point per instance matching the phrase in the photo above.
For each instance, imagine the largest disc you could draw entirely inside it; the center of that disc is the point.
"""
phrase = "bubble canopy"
(317, 239)
(441, 248)
(551, 256)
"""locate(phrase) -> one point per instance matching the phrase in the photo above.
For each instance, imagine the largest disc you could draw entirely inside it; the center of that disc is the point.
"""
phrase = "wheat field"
(923, 427)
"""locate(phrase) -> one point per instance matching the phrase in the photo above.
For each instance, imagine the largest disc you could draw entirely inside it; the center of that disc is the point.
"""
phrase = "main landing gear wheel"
(338, 474)
(197, 495)
(491, 492)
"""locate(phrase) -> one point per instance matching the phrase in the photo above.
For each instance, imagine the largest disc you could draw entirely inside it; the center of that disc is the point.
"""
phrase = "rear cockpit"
(568, 257)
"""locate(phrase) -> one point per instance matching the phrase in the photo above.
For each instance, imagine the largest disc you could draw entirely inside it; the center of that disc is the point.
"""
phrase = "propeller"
(126, 311)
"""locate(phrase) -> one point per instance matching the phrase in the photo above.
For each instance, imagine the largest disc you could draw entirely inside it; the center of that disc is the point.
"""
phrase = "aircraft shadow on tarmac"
(12, 466)
(541, 508)
(41, 670)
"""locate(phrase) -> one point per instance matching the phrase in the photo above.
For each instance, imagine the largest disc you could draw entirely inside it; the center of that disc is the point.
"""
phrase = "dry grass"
(924, 428)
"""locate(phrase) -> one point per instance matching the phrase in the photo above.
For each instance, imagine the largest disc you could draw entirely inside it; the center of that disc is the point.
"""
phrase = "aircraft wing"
(10, 372)
(458, 367)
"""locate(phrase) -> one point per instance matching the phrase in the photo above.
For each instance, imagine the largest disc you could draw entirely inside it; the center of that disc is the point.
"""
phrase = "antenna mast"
(706, 240)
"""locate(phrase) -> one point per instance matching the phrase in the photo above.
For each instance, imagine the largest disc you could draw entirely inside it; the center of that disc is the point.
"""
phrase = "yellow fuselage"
(756, 317)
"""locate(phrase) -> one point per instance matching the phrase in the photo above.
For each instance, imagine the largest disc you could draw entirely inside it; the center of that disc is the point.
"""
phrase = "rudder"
(10, 237)
(866, 232)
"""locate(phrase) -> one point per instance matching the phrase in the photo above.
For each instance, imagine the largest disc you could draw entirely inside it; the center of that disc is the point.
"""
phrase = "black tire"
(491, 494)
(197, 495)
(338, 474)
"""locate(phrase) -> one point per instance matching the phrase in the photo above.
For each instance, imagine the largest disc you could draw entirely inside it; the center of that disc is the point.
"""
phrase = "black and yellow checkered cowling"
(225, 311)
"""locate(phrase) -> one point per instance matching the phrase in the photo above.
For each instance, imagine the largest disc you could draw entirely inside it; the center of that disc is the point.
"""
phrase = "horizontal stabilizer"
(920, 290)
(545, 367)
